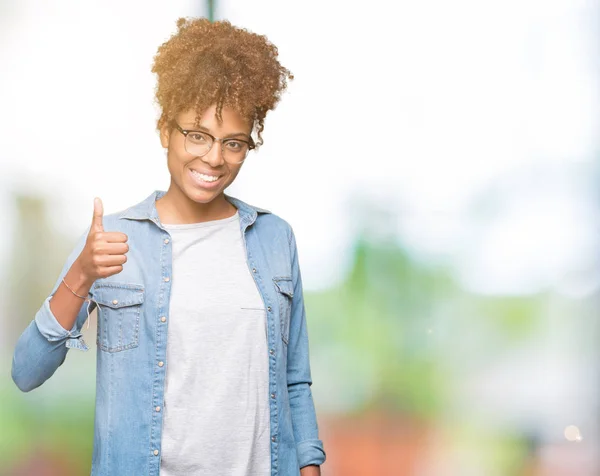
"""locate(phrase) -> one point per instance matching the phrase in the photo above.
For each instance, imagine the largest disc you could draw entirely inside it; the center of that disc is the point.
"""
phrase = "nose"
(214, 157)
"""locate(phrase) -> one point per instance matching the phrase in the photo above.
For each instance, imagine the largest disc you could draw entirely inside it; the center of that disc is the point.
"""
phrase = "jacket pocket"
(285, 293)
(119, 310)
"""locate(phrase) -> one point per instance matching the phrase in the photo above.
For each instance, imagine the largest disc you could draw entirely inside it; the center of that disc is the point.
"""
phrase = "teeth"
(206, 178)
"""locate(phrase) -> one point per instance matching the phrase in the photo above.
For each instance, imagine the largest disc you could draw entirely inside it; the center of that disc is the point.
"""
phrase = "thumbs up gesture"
(104, 252)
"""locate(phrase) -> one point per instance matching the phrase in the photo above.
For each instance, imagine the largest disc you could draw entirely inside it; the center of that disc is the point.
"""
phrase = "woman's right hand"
(104, 252)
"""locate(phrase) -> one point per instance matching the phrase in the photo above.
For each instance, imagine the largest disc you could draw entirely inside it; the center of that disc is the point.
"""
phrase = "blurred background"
(440, 164)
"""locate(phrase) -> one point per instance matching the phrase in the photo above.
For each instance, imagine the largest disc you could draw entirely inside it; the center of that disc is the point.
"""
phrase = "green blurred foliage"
(34, 425)
(394, 321)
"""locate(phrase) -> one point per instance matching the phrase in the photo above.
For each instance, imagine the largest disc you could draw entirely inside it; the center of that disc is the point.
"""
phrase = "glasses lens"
(235, 151)
(198, 143)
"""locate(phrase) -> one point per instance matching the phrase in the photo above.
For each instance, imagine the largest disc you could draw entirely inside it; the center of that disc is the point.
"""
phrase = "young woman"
(202, 362)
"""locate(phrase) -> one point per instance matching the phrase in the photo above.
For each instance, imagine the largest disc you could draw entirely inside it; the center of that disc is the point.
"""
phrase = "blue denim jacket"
(133, 319)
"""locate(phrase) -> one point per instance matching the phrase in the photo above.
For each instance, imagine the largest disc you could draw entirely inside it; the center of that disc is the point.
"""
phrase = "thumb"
(98, 212)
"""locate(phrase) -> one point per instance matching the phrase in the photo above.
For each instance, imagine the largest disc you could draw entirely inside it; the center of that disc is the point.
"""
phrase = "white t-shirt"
(216, 409)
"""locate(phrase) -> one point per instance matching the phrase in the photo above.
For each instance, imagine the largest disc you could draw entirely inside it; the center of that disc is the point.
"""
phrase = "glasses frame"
(223, 141)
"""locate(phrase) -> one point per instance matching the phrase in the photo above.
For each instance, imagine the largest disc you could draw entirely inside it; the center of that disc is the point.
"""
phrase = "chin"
(201, 196)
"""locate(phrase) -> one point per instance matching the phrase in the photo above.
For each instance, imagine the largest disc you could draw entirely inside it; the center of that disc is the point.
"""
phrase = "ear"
(165, 133)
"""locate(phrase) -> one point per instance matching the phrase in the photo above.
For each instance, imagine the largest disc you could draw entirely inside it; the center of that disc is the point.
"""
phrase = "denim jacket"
(133, 318)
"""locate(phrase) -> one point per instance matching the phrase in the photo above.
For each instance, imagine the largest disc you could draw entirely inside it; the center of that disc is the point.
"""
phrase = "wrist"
(78, 279)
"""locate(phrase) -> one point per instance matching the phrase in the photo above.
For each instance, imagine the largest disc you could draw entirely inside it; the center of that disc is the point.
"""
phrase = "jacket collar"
(146, 209)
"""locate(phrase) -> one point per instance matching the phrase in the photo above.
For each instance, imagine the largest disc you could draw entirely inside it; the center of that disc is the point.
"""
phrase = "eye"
(198, 137)
(235, 145)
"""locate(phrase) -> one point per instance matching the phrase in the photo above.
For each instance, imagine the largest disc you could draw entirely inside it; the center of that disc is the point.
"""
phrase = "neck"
(174, 207)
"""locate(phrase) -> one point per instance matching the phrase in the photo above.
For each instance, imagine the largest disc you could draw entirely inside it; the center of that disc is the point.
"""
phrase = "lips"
(205, 177)
(205, 181)
(212, 174)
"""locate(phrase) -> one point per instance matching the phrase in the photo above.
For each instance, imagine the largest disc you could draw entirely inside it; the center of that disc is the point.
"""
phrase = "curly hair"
(208, 63)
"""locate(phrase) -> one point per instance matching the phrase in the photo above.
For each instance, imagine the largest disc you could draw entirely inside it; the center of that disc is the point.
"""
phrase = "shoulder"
(276, 224)
(265, 221)
(275, 221)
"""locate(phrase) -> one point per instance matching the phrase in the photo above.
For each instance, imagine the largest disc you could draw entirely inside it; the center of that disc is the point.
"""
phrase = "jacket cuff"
(310, 452)
(52, 331)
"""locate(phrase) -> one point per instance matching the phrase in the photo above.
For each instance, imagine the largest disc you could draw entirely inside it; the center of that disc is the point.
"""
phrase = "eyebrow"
(205, 129)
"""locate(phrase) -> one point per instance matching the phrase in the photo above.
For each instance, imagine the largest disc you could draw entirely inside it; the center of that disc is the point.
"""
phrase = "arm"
(43, 346)
(310, 471)
(304, 421)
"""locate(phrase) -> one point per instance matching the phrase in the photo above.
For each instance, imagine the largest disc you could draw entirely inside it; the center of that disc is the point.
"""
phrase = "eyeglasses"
(199, 143)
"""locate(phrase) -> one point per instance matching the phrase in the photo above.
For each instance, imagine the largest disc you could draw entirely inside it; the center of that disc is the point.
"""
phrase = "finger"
(97, 225)
(109, 271)
(113, 237)
(106, 261)
(111, 248)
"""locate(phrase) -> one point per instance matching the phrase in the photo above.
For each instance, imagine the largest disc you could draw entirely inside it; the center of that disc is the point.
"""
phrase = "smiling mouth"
(204, 177)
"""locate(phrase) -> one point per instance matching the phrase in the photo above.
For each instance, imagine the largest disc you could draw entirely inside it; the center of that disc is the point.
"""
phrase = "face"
(202, 179)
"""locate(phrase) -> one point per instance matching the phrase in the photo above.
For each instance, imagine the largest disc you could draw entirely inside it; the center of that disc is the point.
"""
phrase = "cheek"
(171, 163)
(175, 161)
(233, 171)
(176, 167)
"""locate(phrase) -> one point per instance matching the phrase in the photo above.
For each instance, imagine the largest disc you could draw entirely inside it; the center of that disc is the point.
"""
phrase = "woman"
(202, 362)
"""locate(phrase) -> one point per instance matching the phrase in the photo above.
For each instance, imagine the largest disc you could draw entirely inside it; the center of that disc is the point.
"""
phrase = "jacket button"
(269, 308)
(167, 279)
(161, 363)
(163, 319)
(115, 301)
(272, 395)
(271, 352)
(254, 270)
(166, 241)
(155, 452)
(157, 409)
(273, 438)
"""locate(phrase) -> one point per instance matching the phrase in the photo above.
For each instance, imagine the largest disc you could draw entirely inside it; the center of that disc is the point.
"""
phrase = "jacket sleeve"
(44, 344)
(304, 420)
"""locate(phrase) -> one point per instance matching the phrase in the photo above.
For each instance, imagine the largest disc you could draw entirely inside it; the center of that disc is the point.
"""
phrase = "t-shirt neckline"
(185, 226)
